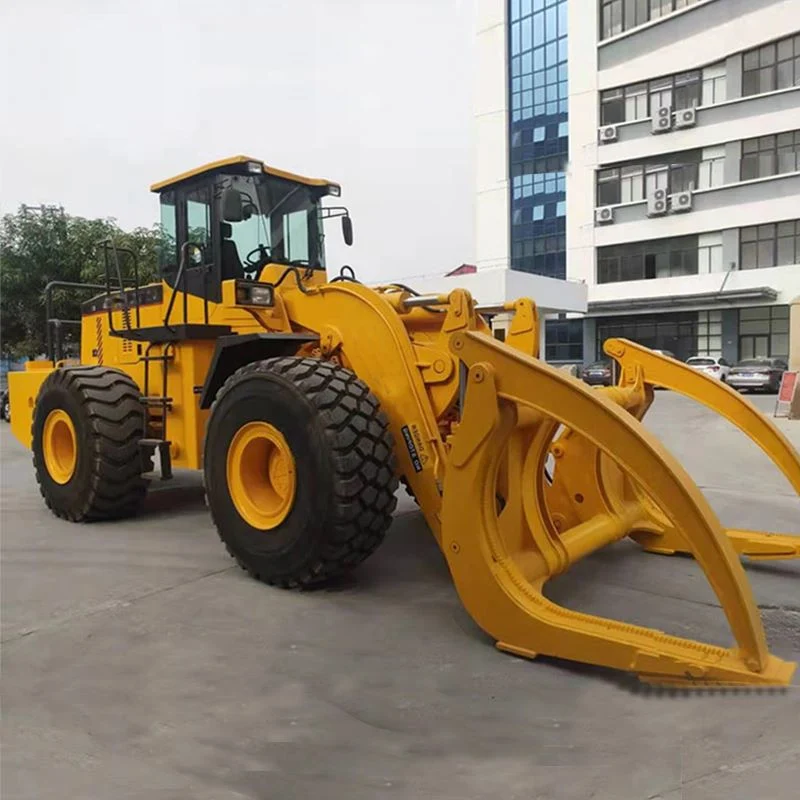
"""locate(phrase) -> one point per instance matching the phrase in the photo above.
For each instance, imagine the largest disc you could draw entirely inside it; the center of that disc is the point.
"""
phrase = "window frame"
(640, 96)
(672, 257)
(755, 238)
(768, 149)
(761, 66)
(649, 9)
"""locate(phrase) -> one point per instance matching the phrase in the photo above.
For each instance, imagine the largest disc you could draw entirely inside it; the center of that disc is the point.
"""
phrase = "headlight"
(254, 294)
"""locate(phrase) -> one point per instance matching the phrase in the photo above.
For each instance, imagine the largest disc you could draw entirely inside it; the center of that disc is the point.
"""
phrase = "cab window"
(168, 244)
(295, 236)
(198, 224)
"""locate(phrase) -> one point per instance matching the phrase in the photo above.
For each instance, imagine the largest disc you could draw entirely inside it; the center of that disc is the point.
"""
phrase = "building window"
(608, 187)
(764, 331)
(709, 258)
(709, 333)
(636, 261)
(660, 93)
(563, 340)
(772, 66)
(770, 155)
(676, 332)
(770, 245)
(714, 85)
(617, 16)
(631, 183)
(640, 100)
(688, 88)
(711, 170)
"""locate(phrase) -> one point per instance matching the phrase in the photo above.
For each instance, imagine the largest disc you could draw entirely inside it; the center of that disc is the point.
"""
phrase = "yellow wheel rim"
(261, 475)
(60, 446)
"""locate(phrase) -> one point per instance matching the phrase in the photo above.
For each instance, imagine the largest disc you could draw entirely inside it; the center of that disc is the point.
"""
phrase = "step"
(156, 400)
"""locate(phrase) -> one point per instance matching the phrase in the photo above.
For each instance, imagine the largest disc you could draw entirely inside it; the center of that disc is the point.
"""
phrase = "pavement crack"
(789, 609)
(111, 605)
(667, 596)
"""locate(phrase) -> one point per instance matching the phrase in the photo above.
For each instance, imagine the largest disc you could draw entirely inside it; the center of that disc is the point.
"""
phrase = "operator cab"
(238, 215)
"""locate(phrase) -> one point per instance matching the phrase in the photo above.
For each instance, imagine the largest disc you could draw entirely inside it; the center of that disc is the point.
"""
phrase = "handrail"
(105, 243)
(180, 284)
(48, 304)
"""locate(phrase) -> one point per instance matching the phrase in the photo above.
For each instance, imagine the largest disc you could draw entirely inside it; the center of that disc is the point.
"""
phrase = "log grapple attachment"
(510, 523)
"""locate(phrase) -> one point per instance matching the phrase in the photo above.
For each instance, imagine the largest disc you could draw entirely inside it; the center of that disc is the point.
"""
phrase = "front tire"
(299, 470)
(87, 424)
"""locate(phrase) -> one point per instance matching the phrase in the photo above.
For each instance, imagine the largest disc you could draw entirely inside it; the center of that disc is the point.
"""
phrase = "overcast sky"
(100, 98)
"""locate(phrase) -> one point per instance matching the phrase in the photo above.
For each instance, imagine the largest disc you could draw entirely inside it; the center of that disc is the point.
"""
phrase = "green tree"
(43, 245)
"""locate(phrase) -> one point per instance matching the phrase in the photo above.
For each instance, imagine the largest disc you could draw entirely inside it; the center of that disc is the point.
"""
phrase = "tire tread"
(114, 415)
(362, 451)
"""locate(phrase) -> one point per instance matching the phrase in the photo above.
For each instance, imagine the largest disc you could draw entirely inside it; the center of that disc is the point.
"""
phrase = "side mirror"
(347, 230)
(232, 210)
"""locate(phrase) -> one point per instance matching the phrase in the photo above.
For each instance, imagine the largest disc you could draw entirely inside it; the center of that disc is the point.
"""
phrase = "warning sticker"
(416, 461)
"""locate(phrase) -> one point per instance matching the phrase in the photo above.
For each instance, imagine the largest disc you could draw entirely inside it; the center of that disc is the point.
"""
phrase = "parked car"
(757, 374)
(713, 367)
(5, 407)
(598, 374)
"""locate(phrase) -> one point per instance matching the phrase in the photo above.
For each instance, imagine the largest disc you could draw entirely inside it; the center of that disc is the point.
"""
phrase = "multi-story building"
(651, 150)
(683, 187)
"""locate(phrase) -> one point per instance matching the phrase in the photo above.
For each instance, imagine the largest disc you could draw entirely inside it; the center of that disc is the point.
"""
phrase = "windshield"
(280, 216)
(701, 362)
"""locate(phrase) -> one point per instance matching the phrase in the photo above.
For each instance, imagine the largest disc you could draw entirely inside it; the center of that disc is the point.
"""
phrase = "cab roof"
(238, 164)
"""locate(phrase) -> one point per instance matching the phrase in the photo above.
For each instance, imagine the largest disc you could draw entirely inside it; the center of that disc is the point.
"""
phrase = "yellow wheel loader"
(306, 399)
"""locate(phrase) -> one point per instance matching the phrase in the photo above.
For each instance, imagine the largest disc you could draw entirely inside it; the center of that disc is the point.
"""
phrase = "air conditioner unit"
(607, 134)
(604, 215)
(680, 202)
(662, 119)
(686, 118)
(657, 203)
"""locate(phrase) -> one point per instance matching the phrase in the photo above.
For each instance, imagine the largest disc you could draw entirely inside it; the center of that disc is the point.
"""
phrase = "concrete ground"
(138, 662)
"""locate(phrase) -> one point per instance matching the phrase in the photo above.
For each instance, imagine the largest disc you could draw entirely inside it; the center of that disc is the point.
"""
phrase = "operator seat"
(231, 263)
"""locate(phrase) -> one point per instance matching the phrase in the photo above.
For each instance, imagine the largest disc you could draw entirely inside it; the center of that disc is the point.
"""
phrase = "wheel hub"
(261, 475)
(60, 446)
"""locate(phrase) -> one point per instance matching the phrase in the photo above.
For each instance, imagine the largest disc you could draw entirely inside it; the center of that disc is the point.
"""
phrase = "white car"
(713, 367)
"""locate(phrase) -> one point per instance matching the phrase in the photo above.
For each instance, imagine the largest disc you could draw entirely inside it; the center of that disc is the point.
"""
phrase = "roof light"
(255, 166)
(334, 189)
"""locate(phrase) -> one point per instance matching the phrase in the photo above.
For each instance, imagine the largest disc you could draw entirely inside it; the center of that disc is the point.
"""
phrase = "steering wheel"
(263, 254)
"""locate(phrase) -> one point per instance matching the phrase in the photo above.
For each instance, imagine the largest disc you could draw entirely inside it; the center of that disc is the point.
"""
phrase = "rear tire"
(100, 477)
(340, 496)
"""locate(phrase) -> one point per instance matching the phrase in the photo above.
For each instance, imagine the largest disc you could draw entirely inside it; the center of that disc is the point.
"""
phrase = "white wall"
(704, 135)
(734, 215)
(498, 285)
(491, 136)
(583, 24)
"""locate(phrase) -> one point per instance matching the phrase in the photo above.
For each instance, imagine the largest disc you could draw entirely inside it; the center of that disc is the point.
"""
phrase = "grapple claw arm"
(716, 395)
(655, 369)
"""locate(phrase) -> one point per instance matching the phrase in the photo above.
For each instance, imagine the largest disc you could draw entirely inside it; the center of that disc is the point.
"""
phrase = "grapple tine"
(499, 571)
(755, 545)
(671, 374)
(640, 366)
